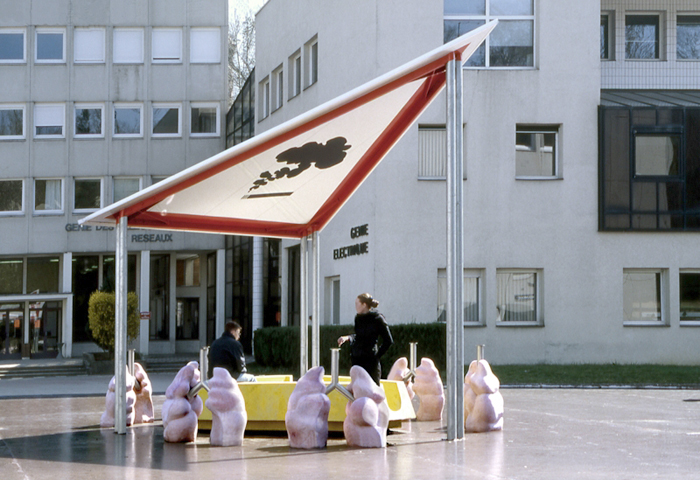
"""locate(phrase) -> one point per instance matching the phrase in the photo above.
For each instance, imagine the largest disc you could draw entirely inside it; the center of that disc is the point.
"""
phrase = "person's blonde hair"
(367, 299)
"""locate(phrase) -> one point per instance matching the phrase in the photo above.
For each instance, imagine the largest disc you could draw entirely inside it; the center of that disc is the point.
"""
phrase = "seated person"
(227, 352)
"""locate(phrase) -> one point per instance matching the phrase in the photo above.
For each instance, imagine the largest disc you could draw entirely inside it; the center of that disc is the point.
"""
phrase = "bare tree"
(241, 52)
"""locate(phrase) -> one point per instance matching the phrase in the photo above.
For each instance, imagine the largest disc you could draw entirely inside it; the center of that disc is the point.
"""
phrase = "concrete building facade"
(547, 278)
(99, 99)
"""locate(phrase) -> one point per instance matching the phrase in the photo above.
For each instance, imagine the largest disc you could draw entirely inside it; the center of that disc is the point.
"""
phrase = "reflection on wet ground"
(548, 434)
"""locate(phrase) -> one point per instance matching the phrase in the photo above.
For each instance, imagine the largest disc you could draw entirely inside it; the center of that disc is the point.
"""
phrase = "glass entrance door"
(11, 328)
(44, 325)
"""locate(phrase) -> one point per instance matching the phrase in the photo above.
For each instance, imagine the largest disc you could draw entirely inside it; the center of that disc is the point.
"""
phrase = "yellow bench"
(266, 403)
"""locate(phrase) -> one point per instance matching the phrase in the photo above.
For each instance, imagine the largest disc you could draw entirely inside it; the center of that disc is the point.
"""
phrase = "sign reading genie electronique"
(356, 249)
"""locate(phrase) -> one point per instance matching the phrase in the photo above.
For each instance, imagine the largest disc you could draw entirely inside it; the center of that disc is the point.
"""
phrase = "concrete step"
(42, 371)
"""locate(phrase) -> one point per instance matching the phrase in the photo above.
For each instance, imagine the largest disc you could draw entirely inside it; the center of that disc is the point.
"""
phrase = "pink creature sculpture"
(428, 387)
(107, 419)
(307, 412)
(143, 407)
(398, 371)
(180, 413)
(367, 417)
(483, 403)
(227, 405)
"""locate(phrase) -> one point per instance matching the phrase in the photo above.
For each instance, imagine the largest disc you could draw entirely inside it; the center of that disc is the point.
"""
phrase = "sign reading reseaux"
(356, 249)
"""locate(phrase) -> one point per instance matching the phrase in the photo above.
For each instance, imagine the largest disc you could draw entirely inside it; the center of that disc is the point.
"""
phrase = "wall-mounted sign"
(358, 248)
(76, 227)
(152, 237)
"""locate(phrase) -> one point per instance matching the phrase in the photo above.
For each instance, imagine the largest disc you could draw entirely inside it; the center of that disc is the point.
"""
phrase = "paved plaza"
(548, 434)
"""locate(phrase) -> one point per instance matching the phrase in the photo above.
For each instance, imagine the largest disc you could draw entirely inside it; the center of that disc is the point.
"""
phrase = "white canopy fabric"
(291, 180)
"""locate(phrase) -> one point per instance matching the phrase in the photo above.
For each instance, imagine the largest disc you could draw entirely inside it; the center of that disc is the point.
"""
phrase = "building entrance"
(42, 323)
(11, 325)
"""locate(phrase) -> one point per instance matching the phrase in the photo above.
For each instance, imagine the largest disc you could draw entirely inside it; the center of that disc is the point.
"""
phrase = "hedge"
(278, 347)
(101, 314)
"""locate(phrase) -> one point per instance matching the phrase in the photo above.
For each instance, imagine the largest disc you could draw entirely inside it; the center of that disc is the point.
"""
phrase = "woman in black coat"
(370, 326)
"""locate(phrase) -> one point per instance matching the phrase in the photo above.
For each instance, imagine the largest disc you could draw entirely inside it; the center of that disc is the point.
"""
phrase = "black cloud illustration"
(322, 156)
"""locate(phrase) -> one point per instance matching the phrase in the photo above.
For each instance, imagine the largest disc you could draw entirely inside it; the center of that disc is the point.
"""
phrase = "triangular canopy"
(291, 180)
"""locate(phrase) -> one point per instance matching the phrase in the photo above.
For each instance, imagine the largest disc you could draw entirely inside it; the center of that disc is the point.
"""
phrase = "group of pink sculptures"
(306, 420)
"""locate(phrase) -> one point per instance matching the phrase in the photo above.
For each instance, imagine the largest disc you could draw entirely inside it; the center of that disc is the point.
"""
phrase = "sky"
(243, 6)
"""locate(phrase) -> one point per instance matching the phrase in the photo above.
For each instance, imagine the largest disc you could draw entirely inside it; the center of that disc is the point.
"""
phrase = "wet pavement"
(548, 434)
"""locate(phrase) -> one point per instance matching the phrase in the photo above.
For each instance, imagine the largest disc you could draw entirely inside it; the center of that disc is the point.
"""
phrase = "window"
(205, 119)
(49, 120)
(157, 178)
(688, 37)
(643, 298)
(125, 186)
(295, 74)
(264, 98)
(89, 119)
(642, 37)
(50, 45)
(432, 152)
(13, 45)
(11, 122)
(511, 44)
(128, 120)
(689, 293)
(536, 152)
(607, 29)
(167, 45)
(43, 274)
(128, 45)
(656, 155)
(188, 269)
(277, 88)
(311, 60)
(166, 120)
(48, 195)
(89, 45)
(518, 297)
(87, 194)
(205, 45)
(473, 296)
(11, 197)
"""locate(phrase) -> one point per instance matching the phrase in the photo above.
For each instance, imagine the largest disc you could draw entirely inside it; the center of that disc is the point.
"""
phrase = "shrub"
(101, 314)
(278, 347)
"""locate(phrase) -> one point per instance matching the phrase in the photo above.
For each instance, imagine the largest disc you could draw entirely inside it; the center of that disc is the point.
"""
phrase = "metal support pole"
(413, 357)
(303, 312)
(203, 369)
(455, 247)
(316, 305)
(120, 329)
(335, 382)
(480, 352)
(131, 360)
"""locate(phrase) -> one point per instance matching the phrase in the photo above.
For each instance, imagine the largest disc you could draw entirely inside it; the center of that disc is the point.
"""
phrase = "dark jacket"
(369, 328)
(227, 352)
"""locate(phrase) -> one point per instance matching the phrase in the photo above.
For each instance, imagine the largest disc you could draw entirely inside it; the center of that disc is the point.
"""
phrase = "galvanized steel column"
(455, 260)
(303, 313)
(120, 329)
(316, 305)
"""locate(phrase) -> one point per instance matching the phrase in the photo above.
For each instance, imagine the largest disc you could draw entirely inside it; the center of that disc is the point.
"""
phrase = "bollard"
(130, 360)
(335, 367)
(203, 367)
(480, 352)
(413, 356)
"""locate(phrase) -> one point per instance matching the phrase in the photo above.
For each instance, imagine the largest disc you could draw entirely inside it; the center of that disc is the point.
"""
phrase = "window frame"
(88, 106)
(49, 30)
(663, 301)
(127, 106)
(215, 105)
(487, 17)
(76, 35)
(63, 124)
(277, 88)
(168, 105)
(16, 106)
(311, 62)
(14, 31)
(609, 34)
(125, 177)
(533, 129)
(59, 211)
(90, 209)
(115, 34)
(265, 99)
(539, 298)
(694, 319)
(678, 17)
(15, 213)
(194, 43)
(165, 60)
(479, 275)
(660, 35)
(296, 77)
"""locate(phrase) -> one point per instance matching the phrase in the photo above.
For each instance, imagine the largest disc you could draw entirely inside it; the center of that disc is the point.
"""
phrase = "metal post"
(316, 306)
(120, 329)
(413, 357)
(204, 363)
(303, 313)
(335, 381)
(130, 360)
(480, 352)
(455, 245)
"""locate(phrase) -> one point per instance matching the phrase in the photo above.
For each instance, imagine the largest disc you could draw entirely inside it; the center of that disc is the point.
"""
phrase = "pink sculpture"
(483, 403)
(143, 407)
(428, 387)
(180, 413)
(367, 417)
(107, 419)
(228, 414)
(399, 371)
(307, 412)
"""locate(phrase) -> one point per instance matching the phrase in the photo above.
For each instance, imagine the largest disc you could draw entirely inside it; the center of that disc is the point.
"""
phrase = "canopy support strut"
(120, 329)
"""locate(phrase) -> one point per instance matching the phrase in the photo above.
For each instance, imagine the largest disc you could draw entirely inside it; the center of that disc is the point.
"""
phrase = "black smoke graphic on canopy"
(312, 153)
